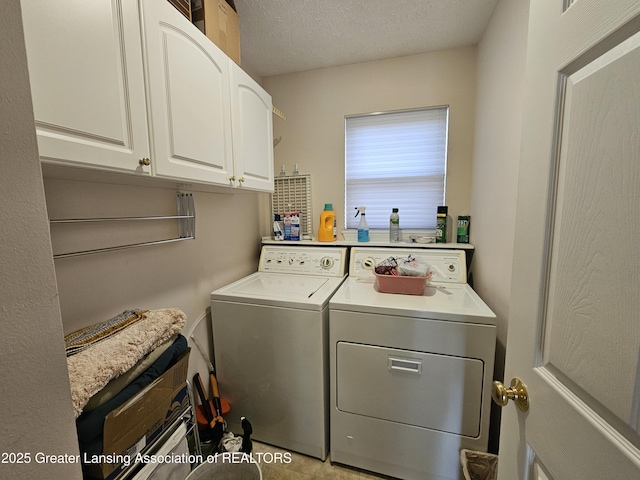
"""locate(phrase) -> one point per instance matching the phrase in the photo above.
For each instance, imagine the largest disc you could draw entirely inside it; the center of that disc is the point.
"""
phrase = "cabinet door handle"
(144, 161)
(232, 178)
(241, 179)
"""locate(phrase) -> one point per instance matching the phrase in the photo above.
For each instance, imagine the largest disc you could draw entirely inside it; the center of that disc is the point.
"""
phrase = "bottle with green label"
(441, 224)
(463, 228)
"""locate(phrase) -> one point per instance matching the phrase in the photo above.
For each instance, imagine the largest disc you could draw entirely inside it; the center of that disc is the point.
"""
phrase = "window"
(396, 160)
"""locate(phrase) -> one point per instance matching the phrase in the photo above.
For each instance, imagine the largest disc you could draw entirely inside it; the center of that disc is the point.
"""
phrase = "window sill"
(373, 242)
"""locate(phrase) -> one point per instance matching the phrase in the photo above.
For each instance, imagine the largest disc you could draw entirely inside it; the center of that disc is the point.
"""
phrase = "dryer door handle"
(405, 365)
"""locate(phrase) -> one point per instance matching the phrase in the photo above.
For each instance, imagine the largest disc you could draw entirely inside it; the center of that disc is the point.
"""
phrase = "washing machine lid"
(440, 301)
(306, 292)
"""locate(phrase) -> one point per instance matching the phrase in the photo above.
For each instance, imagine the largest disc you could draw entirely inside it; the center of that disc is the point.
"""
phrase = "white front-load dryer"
(270, 336)
(410, 374)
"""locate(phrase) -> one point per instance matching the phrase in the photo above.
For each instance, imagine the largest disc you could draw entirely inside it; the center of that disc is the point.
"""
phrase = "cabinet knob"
(241, 179)
(144, 161)
(232, 178)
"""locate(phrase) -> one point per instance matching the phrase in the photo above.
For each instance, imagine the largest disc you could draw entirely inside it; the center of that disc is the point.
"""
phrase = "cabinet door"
(252, 132)
(188, 84)
(87, 83)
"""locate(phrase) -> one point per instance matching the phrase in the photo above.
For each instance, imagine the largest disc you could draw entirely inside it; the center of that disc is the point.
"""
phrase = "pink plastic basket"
(402, 284)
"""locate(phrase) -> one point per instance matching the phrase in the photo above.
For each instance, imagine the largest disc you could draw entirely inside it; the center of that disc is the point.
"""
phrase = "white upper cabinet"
(87, 83)
(134, 87)
(251, 117)
(188, 84)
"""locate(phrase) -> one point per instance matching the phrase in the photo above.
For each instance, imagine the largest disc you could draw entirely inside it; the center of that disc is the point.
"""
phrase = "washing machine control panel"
(446, 265)
(327, 262)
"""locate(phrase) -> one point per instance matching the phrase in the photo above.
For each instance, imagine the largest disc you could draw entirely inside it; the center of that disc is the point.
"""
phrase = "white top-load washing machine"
(410, 374)
(270, 337)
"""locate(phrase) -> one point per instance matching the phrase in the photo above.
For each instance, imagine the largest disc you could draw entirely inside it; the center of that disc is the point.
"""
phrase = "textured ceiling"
(284, 36)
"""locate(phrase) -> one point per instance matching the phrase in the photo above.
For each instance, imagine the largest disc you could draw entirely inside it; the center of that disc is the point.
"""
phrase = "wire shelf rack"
(293, 194)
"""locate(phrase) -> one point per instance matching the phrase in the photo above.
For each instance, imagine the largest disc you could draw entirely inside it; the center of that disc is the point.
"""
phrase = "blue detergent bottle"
(363, 227)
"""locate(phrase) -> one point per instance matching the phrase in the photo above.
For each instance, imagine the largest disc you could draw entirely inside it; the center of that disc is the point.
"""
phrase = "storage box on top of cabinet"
(183, 6)
(218, 20)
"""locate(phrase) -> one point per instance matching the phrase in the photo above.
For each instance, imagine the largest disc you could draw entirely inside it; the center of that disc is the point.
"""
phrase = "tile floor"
(303, 467)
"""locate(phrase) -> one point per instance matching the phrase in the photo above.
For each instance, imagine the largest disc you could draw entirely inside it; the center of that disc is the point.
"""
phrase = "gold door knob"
(144, 161)
(518, 393)
(232, 178)
(241, 179)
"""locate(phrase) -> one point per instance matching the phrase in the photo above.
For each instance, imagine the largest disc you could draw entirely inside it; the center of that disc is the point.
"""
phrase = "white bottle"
(394, 226)
(278, 229)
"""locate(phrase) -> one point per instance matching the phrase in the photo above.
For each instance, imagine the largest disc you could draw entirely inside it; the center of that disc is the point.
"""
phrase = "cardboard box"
(137, 423)
(292, 226)
(220, 23)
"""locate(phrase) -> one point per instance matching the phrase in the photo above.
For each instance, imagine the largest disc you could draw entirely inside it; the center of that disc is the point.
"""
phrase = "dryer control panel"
(447, 265)
(320, 261)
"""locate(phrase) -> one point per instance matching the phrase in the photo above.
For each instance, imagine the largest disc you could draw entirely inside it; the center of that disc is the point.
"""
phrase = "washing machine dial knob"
(368, 263)
(326, 263)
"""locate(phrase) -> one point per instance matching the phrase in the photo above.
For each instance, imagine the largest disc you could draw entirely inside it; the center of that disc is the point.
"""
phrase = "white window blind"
(396, 160)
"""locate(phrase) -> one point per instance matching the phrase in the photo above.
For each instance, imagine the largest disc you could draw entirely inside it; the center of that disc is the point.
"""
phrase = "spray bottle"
(363, 228)
(278, 229)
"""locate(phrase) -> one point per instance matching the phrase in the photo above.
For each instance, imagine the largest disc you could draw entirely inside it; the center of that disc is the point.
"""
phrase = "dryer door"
(434, 391)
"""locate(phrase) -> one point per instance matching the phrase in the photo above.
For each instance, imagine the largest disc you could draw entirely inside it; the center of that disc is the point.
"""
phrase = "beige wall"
(501, 79)
(182, 274)
(315, 103)
(96, 287)
(36, 400)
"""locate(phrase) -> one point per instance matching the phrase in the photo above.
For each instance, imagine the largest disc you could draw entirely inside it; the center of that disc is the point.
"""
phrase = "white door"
(574, 329)
(251, 113)
(188, 79)
(87, 83)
